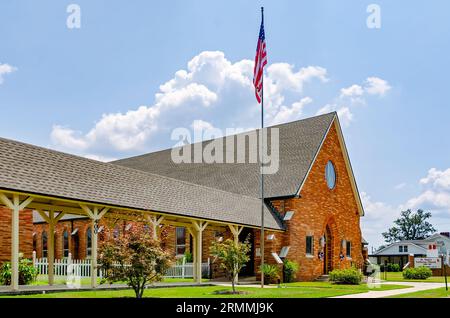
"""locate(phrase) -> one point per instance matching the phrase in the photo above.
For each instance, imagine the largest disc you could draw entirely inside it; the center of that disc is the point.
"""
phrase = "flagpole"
(262, 236)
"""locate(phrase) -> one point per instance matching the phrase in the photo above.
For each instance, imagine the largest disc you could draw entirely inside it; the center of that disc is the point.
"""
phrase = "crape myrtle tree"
(232, 256)
(410, 226)
(133, 257)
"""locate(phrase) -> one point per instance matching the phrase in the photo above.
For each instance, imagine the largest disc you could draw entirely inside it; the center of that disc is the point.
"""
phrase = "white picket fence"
(82, 268)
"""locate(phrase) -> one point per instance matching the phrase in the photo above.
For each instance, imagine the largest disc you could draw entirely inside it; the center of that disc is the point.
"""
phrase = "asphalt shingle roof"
(299, 143)
(37, 170)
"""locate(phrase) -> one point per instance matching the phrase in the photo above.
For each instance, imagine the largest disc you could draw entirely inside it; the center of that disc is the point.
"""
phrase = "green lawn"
(398, 277)
(42, 280)
(431, 293)
(294, 290)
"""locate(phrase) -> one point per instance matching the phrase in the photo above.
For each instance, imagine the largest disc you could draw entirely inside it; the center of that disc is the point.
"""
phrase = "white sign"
(430, 262)
(277, 258)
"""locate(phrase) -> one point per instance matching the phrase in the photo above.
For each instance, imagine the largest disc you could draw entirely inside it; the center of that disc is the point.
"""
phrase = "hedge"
(351, 276)
(417, 273)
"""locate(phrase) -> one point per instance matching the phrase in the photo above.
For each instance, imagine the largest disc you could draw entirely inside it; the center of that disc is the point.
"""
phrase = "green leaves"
(232, 256)
(133, 257)
(410, 226)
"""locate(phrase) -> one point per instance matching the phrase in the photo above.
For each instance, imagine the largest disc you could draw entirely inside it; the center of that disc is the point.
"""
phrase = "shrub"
(351, 276)
(27, 272)
(290, 269)
(188, 257)
(135, 258)
(233, 256)
(270, 273)
(392, 267)
(417, 273)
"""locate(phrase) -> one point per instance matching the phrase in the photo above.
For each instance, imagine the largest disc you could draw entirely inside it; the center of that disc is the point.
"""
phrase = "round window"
(330, 175)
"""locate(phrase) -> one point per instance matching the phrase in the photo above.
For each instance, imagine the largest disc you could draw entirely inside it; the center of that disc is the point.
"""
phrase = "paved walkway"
(414, 287)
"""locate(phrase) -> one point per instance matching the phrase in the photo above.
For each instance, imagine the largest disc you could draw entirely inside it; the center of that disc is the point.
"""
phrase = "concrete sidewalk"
(414, 287)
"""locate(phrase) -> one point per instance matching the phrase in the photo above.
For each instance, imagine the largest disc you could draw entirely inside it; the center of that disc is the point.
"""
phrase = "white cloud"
(6, 69)
(354, 90)
(100, 158)
(376, 86)
(286, 114)
(437, 178)
(434, 197)
(211, 88)
(355, 95)
(435, 194)
(400, 186)
(68, 138)
(377, 219)
(344, 113)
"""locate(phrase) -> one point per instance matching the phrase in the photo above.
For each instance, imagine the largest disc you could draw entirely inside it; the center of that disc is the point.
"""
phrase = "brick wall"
(315, 209)
(25, 234)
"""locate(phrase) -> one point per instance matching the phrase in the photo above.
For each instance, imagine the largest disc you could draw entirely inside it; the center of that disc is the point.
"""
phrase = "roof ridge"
(236, 134)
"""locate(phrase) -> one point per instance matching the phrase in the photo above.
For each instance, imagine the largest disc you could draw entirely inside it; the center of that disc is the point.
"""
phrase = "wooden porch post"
(194, 252)
(155, 222)
(95, 217)
(199, 227)
(52, 221)
(15, 207)
(51, 248)
(236, 230)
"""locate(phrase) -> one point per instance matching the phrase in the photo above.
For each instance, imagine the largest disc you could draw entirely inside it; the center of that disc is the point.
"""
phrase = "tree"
(410, 226)
(134, 257)
(233, 256)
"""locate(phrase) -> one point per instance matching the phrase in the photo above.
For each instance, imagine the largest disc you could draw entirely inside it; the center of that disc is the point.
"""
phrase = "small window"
(330, 175)
(88, 242)
(400, 248)
(180, 240)
(309, 245)
(66, 243)
(44, 244)
(348, 249)
(405, 248)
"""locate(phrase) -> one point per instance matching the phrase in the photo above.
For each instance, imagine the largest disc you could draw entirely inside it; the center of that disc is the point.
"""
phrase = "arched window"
(66, 243)
(88, 242)
(44, 244)
(330, 175)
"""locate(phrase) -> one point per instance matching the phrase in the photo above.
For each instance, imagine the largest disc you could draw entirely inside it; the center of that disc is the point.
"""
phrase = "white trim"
(336, 123)
(315, 157)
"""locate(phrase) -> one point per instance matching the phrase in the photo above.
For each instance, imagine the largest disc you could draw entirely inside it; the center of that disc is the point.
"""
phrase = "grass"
(293, 290)
(431, 293)
(360, 288)
(398, 277)
(42, 280)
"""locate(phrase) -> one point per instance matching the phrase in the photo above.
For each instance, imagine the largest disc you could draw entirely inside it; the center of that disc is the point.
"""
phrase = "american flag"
(260, 62)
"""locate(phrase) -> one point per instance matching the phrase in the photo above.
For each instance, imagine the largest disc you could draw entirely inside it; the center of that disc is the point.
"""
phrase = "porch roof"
(35, 170)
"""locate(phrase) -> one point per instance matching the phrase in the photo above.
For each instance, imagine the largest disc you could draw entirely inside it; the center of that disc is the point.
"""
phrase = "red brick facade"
(318, 212)
(25, 234)
(315, 209)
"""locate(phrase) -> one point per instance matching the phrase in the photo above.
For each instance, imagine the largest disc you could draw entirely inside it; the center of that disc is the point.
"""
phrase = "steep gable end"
(333, 148)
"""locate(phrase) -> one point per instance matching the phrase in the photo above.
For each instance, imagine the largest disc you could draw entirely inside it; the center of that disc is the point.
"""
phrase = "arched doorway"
(328, 252)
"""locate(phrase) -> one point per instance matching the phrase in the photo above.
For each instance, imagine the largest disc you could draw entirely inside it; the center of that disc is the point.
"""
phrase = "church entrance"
(328, 252)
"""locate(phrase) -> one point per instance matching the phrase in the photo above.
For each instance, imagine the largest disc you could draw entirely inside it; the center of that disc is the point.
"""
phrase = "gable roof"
(36, 170)
(299, 143)
(409, 242)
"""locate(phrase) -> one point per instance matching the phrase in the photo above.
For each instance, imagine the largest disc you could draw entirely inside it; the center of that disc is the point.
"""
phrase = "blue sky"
(92, 91)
